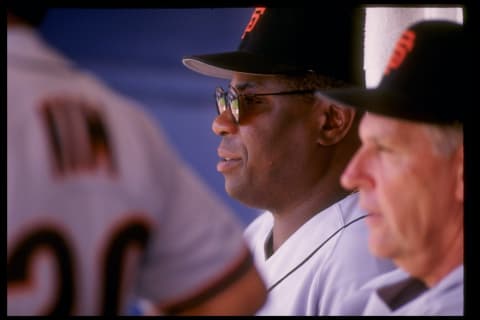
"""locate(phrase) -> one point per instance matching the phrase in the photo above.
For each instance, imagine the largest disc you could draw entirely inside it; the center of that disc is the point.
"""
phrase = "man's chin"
(377, 246)
(240, 192)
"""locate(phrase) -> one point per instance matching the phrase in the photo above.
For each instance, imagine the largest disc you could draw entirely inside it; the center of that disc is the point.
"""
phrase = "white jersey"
(101, 210)
(397, 293)
(319, 265)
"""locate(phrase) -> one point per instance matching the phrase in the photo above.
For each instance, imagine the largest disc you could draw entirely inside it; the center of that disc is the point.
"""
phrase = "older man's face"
(408, 187)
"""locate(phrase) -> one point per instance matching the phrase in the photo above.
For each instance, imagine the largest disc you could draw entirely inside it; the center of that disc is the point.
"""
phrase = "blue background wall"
(138, 52)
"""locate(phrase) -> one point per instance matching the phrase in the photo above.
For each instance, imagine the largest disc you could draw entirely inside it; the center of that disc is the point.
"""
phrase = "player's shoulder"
(351, 247)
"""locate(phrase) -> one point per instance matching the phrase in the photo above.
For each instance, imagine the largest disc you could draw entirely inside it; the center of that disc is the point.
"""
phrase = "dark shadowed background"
(138, 52)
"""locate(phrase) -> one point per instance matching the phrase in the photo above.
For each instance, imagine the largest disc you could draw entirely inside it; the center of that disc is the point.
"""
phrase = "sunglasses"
(234, 101)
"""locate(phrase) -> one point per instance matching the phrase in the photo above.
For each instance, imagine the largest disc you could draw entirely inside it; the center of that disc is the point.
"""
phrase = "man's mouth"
(228, 164)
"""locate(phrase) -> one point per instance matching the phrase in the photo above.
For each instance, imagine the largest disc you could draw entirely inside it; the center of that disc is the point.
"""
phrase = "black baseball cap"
(284, 41)
(424, 79)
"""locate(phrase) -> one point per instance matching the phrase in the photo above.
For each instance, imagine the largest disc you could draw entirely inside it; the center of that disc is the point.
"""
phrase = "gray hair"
(445, 138)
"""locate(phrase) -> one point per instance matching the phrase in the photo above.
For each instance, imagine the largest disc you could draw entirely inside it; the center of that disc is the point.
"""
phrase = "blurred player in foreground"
(101, 210)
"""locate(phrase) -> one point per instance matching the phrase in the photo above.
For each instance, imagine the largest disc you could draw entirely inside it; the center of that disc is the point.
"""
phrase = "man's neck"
(287, 222)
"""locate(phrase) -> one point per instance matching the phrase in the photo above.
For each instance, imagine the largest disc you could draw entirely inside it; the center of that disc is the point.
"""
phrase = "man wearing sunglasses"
(283, 150)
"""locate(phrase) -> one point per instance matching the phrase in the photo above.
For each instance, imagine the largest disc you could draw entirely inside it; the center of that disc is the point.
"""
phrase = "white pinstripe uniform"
(319, 265)
(96, 194)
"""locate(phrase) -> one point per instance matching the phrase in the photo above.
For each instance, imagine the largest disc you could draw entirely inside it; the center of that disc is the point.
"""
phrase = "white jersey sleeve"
(101, 209)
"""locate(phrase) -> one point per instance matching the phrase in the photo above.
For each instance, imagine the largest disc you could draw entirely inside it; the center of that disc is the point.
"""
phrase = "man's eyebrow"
(241, 86)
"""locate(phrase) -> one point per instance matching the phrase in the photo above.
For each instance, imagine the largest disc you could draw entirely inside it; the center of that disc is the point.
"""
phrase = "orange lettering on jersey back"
(404, 45)
(78, 135)
(257, 13)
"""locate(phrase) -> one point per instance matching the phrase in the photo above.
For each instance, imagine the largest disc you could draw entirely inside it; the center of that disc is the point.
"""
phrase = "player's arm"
(243, 297)
(239, 292)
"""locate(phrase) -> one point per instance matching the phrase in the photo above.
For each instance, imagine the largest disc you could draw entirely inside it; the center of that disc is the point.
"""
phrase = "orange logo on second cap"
(404, 45)
(257, 13)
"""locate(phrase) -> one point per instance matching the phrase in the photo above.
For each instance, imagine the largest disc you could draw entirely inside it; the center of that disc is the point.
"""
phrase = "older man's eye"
(382, 148)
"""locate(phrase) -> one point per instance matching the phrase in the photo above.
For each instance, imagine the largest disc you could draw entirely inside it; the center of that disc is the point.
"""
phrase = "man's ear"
(334, 122)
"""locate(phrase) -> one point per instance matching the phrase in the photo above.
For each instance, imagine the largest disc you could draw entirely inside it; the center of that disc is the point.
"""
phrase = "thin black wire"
(313, 252)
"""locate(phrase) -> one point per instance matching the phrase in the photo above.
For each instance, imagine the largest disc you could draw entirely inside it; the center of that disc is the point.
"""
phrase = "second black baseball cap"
(326, 40)
(424, 79)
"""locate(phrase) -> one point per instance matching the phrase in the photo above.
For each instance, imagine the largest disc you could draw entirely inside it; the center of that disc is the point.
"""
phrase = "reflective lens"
(234, 103)
(226, 101)
(220, 100)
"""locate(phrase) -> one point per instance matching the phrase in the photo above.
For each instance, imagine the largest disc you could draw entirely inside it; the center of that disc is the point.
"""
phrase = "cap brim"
(383, 102)
(223, 65)
(394, 104)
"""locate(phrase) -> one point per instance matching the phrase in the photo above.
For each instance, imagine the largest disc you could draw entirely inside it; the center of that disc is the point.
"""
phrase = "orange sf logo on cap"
(404, 45)
(257, 13)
